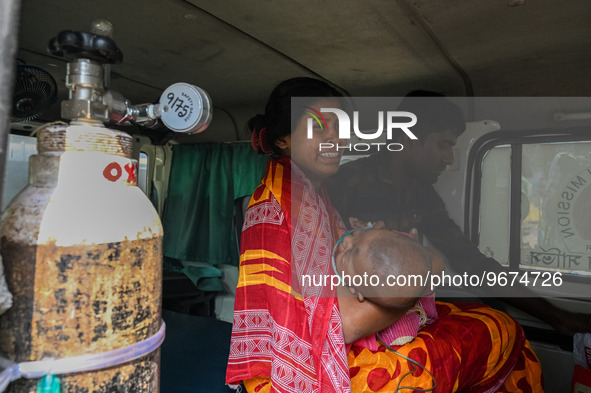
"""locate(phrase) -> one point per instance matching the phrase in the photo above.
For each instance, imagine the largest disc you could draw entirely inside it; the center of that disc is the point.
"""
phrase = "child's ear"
(356, 223)
(356, 293)
(360, 296)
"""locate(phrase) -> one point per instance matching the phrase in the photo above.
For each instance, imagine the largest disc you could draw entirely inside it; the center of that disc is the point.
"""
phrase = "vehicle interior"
(518, 68)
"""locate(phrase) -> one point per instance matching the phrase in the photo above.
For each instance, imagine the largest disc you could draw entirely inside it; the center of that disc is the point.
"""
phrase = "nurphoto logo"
(395, 121)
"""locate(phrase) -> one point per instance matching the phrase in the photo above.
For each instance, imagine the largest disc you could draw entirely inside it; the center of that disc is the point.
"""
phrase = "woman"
(292, 336)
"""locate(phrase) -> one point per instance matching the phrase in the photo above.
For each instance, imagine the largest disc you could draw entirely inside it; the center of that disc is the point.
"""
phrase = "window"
(556, 200)
(142, 175)
(531, 203)
(20, 148)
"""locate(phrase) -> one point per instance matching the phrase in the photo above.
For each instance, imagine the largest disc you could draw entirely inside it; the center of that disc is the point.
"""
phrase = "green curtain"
(205, 180)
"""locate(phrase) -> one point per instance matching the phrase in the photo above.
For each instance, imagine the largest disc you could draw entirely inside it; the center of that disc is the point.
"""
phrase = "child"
(395, 268)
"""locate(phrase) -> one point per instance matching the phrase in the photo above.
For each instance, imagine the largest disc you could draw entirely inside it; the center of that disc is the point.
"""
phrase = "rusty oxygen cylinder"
(82, 246)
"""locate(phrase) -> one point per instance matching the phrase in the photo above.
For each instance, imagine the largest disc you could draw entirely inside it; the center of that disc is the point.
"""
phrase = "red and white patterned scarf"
(283, 328)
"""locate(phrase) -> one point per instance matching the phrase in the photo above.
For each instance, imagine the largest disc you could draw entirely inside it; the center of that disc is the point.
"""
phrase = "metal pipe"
(9, 18)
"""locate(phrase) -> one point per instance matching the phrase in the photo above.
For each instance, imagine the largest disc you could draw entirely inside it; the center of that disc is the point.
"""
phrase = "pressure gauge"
(185, 108)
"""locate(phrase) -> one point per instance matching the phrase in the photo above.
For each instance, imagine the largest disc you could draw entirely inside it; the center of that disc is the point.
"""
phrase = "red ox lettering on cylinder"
(130, 169)
(112, 172)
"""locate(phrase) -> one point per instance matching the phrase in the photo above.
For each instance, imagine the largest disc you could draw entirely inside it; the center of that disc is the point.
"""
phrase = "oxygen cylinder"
(82, 248)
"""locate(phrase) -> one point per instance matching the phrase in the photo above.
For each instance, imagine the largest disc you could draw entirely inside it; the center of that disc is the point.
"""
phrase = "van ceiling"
(239, 50)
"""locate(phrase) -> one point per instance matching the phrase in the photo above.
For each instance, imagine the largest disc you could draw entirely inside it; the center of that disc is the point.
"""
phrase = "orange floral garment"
(470, 348)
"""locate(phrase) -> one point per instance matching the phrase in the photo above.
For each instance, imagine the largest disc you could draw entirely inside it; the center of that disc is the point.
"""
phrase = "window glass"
(556, 186)
(142, 176)
(555, 217)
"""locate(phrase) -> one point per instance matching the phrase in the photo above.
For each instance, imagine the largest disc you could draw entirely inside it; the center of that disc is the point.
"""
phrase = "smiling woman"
(272, 308)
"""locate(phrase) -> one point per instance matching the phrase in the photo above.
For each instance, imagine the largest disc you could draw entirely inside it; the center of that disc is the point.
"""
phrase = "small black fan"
(35, 91)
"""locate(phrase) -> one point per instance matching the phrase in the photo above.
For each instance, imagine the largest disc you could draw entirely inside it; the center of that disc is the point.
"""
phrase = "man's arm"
(360, 319)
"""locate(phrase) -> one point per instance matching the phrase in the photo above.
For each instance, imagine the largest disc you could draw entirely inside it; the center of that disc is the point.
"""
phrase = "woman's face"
(315, 160)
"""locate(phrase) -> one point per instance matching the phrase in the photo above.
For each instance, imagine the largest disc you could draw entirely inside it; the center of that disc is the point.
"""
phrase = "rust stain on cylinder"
(84, 299)
(77, 138)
